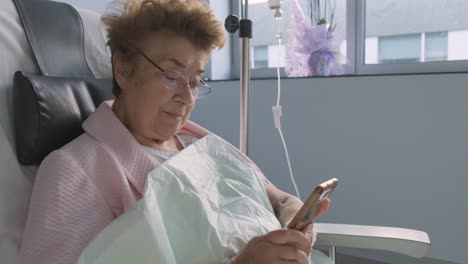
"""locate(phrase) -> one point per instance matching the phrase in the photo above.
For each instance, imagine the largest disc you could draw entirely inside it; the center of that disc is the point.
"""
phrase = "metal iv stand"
(232, 24)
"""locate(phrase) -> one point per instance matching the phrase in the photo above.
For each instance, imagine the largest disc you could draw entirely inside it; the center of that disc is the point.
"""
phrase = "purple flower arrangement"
(312, 47)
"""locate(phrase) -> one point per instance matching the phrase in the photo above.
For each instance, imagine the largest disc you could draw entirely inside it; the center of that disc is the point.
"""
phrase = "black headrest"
(53, 29)
(49, 111)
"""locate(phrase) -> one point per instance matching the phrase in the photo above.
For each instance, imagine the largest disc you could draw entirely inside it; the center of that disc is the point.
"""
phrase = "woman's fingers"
(291, 254)
(288, 237)
(282, 246)
(308, 233)
(279, 246)
(323, 208)
(295, 238)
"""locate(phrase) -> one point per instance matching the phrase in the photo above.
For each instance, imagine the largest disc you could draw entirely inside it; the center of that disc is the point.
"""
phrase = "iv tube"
(277, 112)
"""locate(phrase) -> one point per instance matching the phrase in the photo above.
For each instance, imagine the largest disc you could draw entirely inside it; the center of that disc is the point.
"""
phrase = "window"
(431, 24)
(403, 36)
(379, 36)
(411, 48)
(435, 46)
(398, 49)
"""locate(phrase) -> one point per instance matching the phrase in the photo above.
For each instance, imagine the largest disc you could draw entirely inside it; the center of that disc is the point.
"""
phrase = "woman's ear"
(121, 68)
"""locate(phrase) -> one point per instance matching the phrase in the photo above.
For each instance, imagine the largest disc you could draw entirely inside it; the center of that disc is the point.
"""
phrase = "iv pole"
(245, 34)
(232, 24)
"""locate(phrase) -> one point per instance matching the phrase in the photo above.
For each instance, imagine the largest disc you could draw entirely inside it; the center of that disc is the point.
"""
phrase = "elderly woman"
(159, 51)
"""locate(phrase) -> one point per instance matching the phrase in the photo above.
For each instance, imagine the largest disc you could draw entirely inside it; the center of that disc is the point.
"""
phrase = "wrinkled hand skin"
(280, 246)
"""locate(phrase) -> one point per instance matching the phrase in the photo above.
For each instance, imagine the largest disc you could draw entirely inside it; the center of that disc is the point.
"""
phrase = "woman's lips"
(175, 114)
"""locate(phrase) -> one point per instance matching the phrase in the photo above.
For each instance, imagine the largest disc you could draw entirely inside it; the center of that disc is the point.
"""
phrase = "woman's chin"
(169, 132)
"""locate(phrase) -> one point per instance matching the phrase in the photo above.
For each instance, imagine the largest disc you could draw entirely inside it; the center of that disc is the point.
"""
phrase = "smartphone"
(311, 205)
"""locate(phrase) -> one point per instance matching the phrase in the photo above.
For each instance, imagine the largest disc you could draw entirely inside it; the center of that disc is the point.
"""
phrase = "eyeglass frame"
(164, 73)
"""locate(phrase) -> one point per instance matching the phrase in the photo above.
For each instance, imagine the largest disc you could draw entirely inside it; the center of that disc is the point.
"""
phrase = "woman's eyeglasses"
(175, 80)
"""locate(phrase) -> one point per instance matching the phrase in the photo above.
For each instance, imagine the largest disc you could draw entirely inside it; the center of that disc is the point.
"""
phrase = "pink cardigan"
(85, 185)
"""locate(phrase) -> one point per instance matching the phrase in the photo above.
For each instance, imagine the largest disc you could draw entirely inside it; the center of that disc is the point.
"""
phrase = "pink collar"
(106, 128)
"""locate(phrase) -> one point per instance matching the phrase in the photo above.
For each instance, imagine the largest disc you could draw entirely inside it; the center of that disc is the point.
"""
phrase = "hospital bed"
(51, 99)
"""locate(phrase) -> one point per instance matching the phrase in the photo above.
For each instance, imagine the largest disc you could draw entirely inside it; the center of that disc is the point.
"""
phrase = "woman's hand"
(279, 246)
(309, 227)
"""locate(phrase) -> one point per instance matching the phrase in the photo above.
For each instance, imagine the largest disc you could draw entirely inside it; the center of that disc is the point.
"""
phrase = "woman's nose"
(187, 94)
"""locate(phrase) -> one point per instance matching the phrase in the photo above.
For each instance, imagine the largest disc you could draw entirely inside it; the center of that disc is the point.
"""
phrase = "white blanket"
(201, 206)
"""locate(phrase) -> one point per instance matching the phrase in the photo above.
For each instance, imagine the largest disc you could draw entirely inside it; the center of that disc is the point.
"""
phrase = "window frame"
(400, 68)
(355, 47)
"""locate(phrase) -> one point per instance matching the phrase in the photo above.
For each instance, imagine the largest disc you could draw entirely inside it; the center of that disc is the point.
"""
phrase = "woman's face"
(149, 108)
